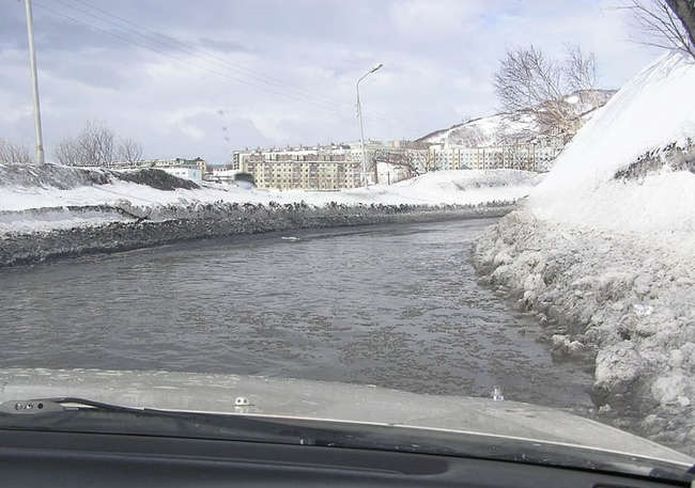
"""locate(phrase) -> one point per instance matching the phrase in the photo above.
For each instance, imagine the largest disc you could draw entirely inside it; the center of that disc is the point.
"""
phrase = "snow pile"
(459, 187)
(603, 248)
(653, 110)
(451, 187)
(49, 175)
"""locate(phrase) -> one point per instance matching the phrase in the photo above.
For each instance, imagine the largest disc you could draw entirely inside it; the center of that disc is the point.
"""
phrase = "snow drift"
(603, 248)
(655, 109)
(26, 190)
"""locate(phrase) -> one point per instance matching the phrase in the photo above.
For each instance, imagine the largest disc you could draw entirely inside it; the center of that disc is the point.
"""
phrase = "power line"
(184, 61)
(157, 42)
(170, 41)
(163, 48)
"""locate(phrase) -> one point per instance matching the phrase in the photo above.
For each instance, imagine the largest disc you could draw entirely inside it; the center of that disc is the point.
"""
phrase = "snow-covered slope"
(505, 128)
(653, 110)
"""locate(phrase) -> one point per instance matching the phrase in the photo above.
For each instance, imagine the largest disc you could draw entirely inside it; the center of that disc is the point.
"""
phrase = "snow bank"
(461, 187)
(442, 188)
(654, 109)
(605, 260)
(197, 221)
(47, 213)
(452, 187)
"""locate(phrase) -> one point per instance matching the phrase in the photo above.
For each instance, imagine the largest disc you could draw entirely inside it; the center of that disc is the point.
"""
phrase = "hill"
(516, 127)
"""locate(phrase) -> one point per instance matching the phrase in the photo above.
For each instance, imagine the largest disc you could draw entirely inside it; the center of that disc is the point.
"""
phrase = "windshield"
(483, 207)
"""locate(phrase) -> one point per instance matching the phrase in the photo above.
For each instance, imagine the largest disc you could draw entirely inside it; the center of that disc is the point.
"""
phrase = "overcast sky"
(190, 78)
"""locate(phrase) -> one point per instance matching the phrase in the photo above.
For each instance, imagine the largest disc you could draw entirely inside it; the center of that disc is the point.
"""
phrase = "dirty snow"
(458, 187)
(607, 263)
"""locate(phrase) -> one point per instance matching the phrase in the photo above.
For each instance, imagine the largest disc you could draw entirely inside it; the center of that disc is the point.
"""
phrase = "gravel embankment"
(621, 305)
(207, 221)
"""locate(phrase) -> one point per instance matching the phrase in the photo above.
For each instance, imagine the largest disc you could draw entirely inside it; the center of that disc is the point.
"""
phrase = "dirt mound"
(51, 175)
(155, 178)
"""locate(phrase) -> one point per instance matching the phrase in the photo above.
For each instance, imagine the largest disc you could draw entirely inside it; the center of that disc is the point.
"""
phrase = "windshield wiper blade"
(80, 414)
(59, 404)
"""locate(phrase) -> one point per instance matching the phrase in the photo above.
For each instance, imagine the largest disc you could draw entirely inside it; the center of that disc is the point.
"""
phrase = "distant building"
(319, 168)
(535, 156)
(190, 169)
(339, 166)
(331, 167)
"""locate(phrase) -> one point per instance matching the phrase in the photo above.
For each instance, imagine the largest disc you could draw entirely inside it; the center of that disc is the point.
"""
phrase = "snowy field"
(23, 195)
(603, 251)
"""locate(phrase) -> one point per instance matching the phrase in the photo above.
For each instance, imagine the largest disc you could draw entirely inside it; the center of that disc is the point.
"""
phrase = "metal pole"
(363, 178)
(359, 114)
(35, 84)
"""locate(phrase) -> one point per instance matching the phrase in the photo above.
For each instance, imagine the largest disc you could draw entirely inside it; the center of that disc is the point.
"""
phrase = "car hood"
(327, 401)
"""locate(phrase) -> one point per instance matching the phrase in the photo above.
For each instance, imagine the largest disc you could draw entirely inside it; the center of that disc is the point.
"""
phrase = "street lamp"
(34, 83)
(359, 114)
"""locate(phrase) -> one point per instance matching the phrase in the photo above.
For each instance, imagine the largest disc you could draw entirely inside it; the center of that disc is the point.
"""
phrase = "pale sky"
(201, 78)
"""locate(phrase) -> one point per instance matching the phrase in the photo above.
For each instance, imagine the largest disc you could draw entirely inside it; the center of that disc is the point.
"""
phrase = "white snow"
(54, 220)
(654, 109)
(456, 187)
(504, 127)
(609, 262)
(443, 187)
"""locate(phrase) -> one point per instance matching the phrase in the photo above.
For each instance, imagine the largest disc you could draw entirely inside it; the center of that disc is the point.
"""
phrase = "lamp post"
(35, 83)
(359, 114)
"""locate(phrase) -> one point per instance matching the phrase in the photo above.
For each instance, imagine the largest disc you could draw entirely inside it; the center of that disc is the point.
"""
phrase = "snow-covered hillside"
(504, 128)
(603, 251)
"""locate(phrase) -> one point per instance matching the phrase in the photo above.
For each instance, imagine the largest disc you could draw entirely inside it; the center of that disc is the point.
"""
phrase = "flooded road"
(397, 306)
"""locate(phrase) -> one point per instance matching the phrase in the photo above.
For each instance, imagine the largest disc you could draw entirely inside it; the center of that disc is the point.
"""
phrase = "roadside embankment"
(198, 221)
(614, 301)
(603, 250)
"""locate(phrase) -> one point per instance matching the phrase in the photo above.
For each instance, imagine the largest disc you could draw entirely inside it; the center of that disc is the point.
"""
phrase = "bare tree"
(129, 151)
(667, 24)
(67, 152)
(528, 80)
(93, 146)
(685, 11)
(579, 69)
(14, 153)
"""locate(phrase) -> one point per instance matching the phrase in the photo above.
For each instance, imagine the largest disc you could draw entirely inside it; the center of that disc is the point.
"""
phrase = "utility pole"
(35, 84)
(359, 114)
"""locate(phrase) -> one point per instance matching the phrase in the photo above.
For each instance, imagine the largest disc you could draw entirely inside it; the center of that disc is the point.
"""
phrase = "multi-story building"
(332, 167)
(533, 156)
(318, 168)
(339, 166)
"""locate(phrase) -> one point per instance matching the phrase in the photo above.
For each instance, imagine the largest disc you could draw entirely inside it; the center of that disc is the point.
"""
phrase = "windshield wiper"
(59, 404)
(80, 414)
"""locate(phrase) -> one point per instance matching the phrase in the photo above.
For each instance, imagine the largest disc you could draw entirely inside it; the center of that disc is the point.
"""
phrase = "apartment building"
(536, 156)
(318, 168)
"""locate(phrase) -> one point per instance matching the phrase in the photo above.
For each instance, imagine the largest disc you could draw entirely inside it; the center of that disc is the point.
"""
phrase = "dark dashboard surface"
(51, 459)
